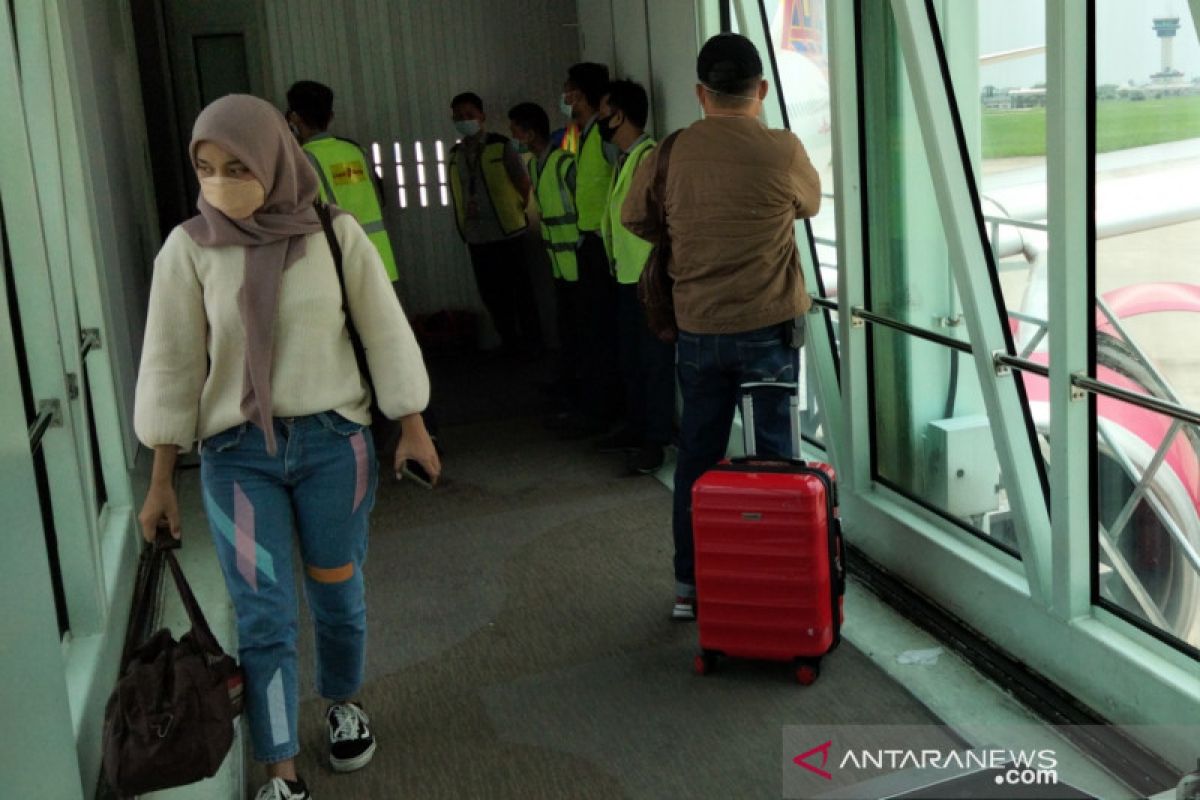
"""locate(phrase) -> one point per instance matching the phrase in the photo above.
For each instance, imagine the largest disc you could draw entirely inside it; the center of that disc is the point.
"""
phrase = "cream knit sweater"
(190, 382)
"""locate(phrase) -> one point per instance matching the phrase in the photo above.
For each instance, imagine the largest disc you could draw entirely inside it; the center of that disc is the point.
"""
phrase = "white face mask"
(727, 94)
(236, 199)
(566, 108)
(467, 127)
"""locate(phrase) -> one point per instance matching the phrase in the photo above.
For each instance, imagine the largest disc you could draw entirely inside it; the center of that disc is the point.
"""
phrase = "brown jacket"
(734, 191)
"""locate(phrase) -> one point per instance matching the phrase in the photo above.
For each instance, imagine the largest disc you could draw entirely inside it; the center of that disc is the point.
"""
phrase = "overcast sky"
(1127, 47)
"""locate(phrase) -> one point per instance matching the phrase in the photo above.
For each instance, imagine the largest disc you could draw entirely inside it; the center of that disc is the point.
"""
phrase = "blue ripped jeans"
(318, 489)
(711, 367)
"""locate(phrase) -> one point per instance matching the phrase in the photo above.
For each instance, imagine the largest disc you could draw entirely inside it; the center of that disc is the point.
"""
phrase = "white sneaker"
(278, 789)
(351, 745)
(684, 610)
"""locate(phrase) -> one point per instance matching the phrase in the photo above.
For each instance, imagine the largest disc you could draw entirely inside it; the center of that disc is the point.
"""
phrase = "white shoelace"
(347, 719)
(275, 790)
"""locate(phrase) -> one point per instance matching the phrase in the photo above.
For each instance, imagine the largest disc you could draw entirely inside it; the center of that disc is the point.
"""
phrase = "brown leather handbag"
(169, 721)
(656, 290)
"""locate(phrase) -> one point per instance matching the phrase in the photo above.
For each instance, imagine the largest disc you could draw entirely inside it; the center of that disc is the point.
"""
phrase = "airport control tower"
(1166, 28)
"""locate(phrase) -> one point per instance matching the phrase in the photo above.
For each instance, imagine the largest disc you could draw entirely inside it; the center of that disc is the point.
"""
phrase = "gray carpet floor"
(520, 645)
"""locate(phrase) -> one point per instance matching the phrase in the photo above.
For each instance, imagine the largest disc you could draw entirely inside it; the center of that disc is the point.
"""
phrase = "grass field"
(1120, 124)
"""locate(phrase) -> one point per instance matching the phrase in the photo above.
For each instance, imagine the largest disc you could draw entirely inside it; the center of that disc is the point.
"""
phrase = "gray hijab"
(273, 237)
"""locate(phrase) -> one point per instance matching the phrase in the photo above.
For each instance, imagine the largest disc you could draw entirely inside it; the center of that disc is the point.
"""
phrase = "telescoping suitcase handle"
(749, 442)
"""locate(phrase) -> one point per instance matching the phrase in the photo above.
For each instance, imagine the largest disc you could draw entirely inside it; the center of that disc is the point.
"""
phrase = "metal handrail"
(1164, 407)
(1022, 364)
(912, 330)
(1078, 380)
(89, 340)
(48, 415)
(824, 302)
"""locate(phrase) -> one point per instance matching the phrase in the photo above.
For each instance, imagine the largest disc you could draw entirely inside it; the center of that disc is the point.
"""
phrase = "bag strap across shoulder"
(660, 177)
(335, 247)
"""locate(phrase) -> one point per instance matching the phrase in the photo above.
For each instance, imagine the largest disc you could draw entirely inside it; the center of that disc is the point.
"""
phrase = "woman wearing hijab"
(247, 352)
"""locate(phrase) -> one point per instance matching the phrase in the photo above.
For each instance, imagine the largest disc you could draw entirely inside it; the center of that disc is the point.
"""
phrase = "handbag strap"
(200, 629)
(335, 247)
(660, 179)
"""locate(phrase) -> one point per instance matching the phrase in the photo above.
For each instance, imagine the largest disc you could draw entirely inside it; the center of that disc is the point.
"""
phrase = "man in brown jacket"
(734, 189)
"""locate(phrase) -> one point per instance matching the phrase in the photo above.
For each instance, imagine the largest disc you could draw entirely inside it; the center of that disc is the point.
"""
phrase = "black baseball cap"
(728, 61)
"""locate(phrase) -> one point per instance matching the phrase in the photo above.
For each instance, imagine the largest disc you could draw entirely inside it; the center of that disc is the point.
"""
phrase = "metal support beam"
(1069, 219)
(845, 92)
(974, 273)
(820, 349)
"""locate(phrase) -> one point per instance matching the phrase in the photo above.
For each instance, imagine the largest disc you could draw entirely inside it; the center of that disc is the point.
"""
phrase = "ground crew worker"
(346, 177)
(552, 172)
(490, 188)
(647, 363)
(584, 88)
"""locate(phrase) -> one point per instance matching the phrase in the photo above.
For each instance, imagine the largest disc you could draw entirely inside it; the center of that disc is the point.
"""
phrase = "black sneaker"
(279, 789)
(351, 745)
(619, 442)
(647, 460)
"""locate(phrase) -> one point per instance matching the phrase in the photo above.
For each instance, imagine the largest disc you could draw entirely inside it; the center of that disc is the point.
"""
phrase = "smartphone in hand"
(416, 473)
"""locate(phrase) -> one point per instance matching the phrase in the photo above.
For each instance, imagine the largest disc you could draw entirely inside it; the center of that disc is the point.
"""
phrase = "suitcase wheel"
(705, 663)
(807, 671)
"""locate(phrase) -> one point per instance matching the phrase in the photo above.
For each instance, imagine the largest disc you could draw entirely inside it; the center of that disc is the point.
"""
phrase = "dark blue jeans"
(711, 367)
(646, 371)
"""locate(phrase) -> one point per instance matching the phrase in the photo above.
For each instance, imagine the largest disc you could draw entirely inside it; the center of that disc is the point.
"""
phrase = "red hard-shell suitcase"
(770, 572)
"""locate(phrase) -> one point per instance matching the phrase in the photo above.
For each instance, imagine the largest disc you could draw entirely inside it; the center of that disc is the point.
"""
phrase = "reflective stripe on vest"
(346, 181)
(626, 251)
(593, 174)
(570, 140)
(560, 233)
(506, 200)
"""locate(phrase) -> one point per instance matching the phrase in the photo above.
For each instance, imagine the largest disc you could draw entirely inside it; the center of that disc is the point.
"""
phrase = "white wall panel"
(393, 66)
(653, 42)
(675, 41)
(631, 42)
(597, 41)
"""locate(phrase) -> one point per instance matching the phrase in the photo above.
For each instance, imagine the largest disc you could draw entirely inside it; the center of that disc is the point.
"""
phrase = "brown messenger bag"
(655, 288)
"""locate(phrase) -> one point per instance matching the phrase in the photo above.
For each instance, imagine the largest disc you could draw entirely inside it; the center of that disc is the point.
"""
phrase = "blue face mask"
(566, 108)
(467, 127)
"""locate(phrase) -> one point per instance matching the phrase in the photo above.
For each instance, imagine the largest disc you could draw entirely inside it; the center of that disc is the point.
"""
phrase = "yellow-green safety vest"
(626, 251)
(560, 229)
(593, 174)
(345, 180)
(510, 208)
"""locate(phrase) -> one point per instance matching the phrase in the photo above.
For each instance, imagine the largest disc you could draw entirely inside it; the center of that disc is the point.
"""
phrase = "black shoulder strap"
(335, 247)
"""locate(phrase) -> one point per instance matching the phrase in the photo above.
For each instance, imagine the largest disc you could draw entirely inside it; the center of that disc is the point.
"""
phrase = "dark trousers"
(647, 371)
(507, 292)
(570, 332)
(711, 367)
(601, 379)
